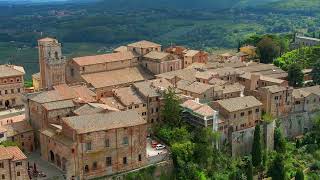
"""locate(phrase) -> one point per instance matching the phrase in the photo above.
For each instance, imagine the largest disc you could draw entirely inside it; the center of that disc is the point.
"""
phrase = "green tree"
(171, 109)
(249, 172)
(257, 148)
(316, 72)
(268, 50)
(299, 175)
(295, 75)
(279, 141)
(277, 169)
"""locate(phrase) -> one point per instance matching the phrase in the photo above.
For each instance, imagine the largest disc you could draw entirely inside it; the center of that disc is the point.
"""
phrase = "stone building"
(99, 63)
(52, 63)
(204, 92)
(21, 133)
(98, 145)
(201, 115)
(152, 92)
(176, 50)
(306, 99)
(227, 91)
(277, 100)
(194, 56)
(36, 80)
(161, 62)
(144, 47)
(49, 107)
(11, 86)
(13, 164)
(131, 100)
(301, 40)
(239, 113)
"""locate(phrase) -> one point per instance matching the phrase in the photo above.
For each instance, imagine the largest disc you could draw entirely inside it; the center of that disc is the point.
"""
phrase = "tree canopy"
(295, 75)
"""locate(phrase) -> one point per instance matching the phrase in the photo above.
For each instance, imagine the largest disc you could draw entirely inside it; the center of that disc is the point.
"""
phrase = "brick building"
(13, 164)
(161, 62)
(11, 86)
(97, 145)
(143, 47)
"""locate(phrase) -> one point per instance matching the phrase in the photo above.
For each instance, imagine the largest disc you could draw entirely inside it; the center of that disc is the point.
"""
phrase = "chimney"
(254, 81)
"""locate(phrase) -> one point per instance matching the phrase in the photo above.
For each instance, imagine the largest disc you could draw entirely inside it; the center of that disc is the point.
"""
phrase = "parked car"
(160, 146)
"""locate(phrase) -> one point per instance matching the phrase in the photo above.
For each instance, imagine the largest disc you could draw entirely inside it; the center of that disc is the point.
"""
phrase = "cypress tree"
(277, 169)
(299, 175)
(256, 148)
(249, 172)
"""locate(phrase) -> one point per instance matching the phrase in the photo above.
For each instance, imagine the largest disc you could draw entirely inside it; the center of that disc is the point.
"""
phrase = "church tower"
(52, 63)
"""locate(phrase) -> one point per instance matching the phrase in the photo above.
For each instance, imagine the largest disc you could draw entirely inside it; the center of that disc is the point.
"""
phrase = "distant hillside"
(302, 5)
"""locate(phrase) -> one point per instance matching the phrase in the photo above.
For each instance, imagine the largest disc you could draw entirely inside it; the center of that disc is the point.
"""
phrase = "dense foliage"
(304, 56)
(257, 148)
(295, 75)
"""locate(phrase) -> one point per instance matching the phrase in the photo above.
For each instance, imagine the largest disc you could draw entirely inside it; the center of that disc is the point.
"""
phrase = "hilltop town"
(99, 116)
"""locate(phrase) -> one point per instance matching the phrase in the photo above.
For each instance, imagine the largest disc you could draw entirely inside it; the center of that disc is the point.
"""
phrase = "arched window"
(86, 168)
(56, 55)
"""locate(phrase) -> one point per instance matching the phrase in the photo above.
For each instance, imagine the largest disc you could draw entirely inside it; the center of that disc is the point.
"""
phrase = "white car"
(160, 146)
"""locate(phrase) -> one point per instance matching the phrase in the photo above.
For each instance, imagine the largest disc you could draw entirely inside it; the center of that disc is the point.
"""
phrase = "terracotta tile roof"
(13, 153)
(88, 109)
(312, 89)
(191, 53)
(298, 93)
(196, 87)
(229, 88)
(226, 71)
(128, 96)
(156, 55)
(239, 103)
(217, 82)
(198, 108)
(151, 88)
(36, 76)
(13, 119)
(58, 105)
(17, 128)
(47, 39)
(185, 74)
(121, 49)
(226, 55)
(64, 92)
(116, 77)
(11, 70)
(104, 58)
(205, 74)
(112, 102)
(275, 88)
(305, 92)
(100, 122)
(144, 44)
(57, 137)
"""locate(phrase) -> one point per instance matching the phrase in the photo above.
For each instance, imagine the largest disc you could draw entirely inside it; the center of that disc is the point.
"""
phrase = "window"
(86, 168)
(1, 103)
(1, 135)
(18, 173)
(249, 112)
(136, 106)
(0, 92)
(242, 114)
(257, 110)
(144, 105)
(13, 101)
(95, 165)
(83, 68)
(12, 91)
(276, 97)
(152, 111)
(18, 80)
(1, 165)
(88, 146)
(297, 102)
(124, 160)
(108, 161)
(21, 135)
(18, 163)
(130, 107)
(11, 80)
(3, 176)
(140, 158)
(18, 90)
(6, 91)
(234, 116)
(125, 141)
(107, 143)
(72, 72)
(157, 110)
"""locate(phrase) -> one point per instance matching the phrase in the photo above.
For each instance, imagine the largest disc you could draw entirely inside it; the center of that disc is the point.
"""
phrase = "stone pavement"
(48, 169)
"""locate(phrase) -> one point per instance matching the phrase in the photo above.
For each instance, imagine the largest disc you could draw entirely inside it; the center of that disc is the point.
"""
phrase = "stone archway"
(58, 160)
(52, 157)
(7, 103)
(64, 164)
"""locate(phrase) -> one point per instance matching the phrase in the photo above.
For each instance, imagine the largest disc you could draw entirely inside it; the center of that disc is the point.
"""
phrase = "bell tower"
(52, 63)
